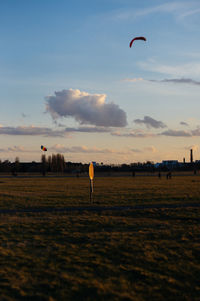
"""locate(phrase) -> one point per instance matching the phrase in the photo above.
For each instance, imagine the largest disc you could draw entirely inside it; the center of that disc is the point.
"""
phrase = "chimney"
(191, 156)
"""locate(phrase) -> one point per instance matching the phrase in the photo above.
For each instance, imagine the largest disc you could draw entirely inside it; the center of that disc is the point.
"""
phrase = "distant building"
(170, 162)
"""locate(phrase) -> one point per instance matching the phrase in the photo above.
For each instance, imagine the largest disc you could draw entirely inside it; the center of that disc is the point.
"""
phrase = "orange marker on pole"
(91, 175)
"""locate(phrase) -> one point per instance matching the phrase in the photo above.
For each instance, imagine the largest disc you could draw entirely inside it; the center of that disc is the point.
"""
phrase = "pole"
(91, 191)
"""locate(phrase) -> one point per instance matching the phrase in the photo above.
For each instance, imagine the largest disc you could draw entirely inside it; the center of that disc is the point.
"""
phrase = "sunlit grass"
(61, 192)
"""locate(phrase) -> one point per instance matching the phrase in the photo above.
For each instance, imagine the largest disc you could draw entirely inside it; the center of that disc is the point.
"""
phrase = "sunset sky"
(70, 81)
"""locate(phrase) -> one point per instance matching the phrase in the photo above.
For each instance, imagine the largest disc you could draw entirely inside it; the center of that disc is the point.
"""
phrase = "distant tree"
(60, 160)
(15, 168)
(44, 164)
(63, 162)
(6, 166)
(54, 162)
(17, 164)
(49, 163)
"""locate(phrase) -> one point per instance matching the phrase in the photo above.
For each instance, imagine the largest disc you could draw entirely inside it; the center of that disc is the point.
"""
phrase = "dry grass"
(59, 192)
(121, 255)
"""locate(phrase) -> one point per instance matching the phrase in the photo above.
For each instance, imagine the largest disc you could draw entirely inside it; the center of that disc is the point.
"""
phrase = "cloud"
(84, 149)
(136, 150)
(196, 132)
(30, 130)
(180, 133)
(138, 133)
(133, 80)
(176, 133)
(186, 70)
(190, 13)
(15, 149)
(183, 80)
(150, 122)
(177, 8)
(88, 129)
(184, 123)
(85, 108)
(177, 81)
(194, 147)
(48, 132)
(151, 149)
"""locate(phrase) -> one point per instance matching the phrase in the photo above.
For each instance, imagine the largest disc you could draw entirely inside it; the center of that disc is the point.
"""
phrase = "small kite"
(137, 38)
(43, 148)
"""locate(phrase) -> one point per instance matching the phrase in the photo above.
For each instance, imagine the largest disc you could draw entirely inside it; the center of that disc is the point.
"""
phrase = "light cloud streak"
(179, 9)
(186, 70)
(49, 132)
(138, 133)
(176, 133)
(30, 131)
(87, 150)
(15, 149)
(177, 81)
(189, 81)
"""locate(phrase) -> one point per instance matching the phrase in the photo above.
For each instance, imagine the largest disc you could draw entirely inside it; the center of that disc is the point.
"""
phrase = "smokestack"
(191, 156)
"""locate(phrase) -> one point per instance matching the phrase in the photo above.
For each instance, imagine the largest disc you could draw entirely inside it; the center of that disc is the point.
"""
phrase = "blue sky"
(113, 103)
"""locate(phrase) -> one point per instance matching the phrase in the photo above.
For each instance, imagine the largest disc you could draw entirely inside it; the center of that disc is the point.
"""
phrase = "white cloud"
(85, 108)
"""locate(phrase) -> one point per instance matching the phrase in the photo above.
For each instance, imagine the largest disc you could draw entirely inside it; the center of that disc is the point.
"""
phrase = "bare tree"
(49, 163)
(44, 164)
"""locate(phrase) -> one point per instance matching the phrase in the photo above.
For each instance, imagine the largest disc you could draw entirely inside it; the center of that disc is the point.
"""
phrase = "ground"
(134, 254)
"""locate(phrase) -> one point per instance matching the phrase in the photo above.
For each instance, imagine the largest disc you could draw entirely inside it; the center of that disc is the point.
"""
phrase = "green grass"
(146, 254)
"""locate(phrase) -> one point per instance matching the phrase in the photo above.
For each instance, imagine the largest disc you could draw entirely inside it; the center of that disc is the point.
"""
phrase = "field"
(149, 253)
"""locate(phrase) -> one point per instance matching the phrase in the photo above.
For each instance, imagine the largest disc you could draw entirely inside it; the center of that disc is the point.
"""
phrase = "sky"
(70, 81)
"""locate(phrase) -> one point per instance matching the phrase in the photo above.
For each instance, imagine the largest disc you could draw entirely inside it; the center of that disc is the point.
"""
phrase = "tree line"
(56, 163)
(53, 163)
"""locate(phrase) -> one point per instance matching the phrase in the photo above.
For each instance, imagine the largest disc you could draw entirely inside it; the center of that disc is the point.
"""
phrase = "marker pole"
(91, 176)
(91, 191)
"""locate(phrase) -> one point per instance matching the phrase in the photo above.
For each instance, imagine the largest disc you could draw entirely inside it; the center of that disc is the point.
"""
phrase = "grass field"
(150, 254)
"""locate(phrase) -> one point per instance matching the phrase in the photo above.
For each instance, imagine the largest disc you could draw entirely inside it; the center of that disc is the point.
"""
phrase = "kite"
(43, 148)
(137, 38)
